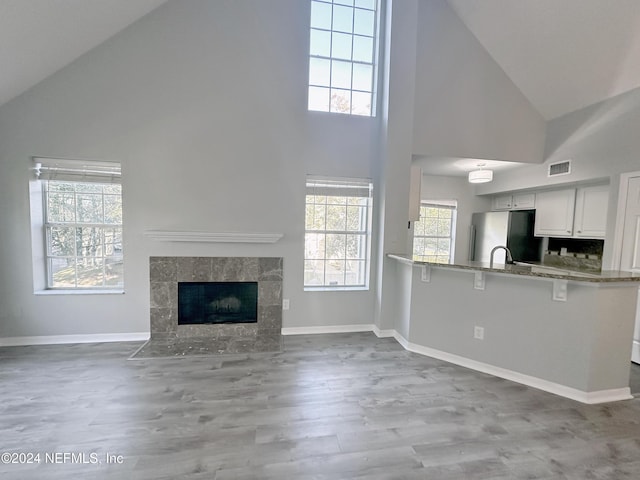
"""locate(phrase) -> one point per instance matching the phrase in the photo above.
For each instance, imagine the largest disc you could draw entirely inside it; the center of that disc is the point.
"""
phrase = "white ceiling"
(458, 167)
(562, 54)
(39, 37)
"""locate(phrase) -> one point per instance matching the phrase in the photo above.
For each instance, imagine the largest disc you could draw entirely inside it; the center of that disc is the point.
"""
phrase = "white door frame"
(621, 212)
(616, 254)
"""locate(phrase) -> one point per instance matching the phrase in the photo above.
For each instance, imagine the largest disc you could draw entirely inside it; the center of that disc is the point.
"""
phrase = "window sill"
(335, 289)
(321, 113)
(78, 292)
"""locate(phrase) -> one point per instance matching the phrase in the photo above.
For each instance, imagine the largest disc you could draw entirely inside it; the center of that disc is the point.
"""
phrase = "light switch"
(425, 273)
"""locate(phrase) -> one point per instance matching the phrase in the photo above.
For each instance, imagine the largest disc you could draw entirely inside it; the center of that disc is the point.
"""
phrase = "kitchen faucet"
(509, 258)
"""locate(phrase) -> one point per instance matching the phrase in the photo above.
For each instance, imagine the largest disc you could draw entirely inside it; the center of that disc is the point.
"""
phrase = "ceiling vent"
(559, 168)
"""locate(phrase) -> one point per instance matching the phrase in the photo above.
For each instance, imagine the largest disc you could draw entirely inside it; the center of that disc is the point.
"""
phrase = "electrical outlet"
(478, 333)
(285, 304)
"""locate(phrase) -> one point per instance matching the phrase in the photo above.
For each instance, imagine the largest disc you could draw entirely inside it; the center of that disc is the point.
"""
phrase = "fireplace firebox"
(217, 302)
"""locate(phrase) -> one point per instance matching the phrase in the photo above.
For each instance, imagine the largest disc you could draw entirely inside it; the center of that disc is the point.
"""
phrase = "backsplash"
(575, 254)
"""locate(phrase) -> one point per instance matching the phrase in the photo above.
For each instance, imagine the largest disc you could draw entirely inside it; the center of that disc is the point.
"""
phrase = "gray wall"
(204, 103)
(397, 91)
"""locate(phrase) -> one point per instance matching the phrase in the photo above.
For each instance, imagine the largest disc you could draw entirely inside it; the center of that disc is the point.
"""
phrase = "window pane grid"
(339, 232)
(337, 236)
(83, 233)
(343, 35)
(355, 36)
(433, 234)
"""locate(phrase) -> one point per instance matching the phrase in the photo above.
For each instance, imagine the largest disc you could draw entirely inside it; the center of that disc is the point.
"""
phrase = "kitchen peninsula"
(564, 332)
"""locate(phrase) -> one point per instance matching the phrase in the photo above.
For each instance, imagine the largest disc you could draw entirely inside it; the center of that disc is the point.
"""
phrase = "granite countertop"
(530, 270)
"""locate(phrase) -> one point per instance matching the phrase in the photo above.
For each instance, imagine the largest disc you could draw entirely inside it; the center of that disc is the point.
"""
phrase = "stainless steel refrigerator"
(511, 229)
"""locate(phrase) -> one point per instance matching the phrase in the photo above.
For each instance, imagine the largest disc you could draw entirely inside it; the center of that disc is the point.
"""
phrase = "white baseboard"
(383, 333)
(635, 352)
(64, 339)
(600, 396)
(327, 329)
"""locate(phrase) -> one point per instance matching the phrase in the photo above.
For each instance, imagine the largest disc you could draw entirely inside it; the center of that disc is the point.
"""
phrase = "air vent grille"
(560, 168)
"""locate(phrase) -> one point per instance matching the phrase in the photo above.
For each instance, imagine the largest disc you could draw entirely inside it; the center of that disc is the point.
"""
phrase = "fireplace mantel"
(211, 237)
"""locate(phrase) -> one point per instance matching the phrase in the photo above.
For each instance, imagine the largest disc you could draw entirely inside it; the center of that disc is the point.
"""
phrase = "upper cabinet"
(502, 202)
(554, 213)
(579, 213)
(518, 201)
(591, 212)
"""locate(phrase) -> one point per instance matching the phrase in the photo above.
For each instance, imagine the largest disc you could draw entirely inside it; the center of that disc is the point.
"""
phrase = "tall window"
(82, 224)
(342, 56)
(337, 233)
(433, 234)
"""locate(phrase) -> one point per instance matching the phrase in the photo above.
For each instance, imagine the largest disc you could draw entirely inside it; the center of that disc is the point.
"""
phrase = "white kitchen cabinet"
(503, 202)
(524, 201)
(591, 212)
(519, 201)
(554, 213)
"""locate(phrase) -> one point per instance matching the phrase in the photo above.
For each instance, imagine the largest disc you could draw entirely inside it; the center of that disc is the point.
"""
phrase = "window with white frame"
(81, 220)
(337, 244)
(433, 234)
(343, 45)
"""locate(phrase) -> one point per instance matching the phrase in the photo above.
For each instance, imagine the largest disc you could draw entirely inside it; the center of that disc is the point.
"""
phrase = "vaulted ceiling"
(39, 37)
(562, 54)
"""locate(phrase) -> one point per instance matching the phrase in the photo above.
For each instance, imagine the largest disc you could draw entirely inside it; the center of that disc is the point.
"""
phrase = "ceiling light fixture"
(480, 175)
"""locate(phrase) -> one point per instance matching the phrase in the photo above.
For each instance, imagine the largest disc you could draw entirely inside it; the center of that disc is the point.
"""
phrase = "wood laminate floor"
(344, 406)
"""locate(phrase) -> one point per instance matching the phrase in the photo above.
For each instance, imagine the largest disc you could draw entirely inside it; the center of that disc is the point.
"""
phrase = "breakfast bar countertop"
(529, 269)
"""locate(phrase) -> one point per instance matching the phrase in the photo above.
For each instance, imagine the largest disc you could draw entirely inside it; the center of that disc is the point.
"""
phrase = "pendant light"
(480, 175)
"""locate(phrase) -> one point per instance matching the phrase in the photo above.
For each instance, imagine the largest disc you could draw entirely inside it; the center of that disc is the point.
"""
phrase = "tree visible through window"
(80, 215)
(433, 233)
(83, 228)
(337, 233)
(342, 56)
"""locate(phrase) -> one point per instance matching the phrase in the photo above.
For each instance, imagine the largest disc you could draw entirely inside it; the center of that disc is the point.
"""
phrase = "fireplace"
(217, 302)
(217, 320)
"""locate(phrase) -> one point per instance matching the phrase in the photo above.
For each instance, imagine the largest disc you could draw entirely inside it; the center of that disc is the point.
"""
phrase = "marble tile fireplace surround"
(173, 339)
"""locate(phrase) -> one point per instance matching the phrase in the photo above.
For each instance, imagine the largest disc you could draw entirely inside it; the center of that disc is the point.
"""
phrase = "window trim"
(66, 170)
(358, 185)
(444, 205)
(374, 63)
